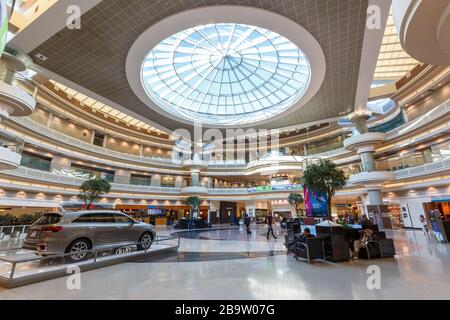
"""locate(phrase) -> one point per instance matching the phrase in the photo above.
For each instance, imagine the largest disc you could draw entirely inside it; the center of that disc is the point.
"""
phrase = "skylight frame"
(260, 94)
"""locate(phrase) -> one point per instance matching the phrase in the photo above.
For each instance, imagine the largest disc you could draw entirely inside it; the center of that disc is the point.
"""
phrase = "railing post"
(13, 269)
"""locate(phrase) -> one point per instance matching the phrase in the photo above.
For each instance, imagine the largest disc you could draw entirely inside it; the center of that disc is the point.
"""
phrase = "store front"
(347, 210)
(441, 204)
(22, 215)
(228, 212)
(396, 216)
(160, 214)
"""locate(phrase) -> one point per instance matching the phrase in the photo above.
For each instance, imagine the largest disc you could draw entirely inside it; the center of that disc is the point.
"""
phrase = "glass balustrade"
(11, 142)
(140, 180)
(435, 153)
(35, 163)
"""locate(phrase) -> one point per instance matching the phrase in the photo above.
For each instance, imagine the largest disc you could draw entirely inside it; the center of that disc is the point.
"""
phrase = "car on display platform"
(74, 234)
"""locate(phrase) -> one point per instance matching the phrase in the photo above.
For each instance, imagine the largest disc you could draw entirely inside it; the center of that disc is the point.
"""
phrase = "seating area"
(192, 224)
(336, 244)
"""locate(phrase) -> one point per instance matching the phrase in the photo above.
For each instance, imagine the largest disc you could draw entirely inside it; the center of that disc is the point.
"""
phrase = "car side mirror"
(132, 222)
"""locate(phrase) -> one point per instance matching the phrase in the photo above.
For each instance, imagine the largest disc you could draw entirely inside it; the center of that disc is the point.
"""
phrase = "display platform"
(20, 267)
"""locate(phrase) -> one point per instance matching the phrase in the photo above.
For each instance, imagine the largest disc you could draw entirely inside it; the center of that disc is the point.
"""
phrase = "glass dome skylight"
(225, 74)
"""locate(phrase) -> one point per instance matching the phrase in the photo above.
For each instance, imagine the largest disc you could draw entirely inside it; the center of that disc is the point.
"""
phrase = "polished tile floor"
(227, 264)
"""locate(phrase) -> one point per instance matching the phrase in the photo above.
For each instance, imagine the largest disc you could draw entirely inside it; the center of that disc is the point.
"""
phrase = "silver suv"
(77, 232)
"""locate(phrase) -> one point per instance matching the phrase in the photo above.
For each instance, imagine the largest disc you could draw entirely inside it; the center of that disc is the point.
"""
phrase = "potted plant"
(324, 176)
(193, 202)
(91, 190)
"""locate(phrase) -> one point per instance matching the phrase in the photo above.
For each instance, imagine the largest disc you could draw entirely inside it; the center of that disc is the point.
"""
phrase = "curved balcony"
(10, 151)
(367, 139)
(194, 190)
(195, 164)
(56, 183)
(110, 157)
(424, 28)
(15, 101)
(274, 163)
(9, 159)
(371, 178)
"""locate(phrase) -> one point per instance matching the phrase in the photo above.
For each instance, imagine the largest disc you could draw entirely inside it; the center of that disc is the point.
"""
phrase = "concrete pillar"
(375, 197)
(105, 140)
(156, 180)
(60, 163)
(361, 125)
(122, 176)
(195, 177)
(50, 119)
(210, 182)
(9, 71)
(35, 92)
(179, 182)
(367, 161)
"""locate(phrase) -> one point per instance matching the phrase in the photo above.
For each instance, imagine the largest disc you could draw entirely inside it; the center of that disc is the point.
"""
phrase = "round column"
(367, 159)
(364, 143)
(195, 165)
(195, 178)
(375, 197)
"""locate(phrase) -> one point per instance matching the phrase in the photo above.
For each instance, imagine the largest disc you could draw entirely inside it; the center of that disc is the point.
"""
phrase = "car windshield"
(49, 218)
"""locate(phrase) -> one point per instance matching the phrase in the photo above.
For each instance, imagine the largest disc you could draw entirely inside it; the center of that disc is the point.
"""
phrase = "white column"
(50, 119)
(156, 180)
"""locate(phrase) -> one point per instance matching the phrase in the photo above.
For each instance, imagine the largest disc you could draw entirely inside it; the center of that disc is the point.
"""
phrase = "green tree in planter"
(26, 219)
(193, 202)
(6, 220)
(91, 190)
(324, 176)
(295, 200)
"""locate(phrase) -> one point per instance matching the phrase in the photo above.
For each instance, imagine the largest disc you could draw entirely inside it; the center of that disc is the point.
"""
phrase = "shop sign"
(275, 188)
(440, 199)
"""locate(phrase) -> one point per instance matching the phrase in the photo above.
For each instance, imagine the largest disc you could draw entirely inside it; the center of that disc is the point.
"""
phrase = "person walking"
(424, 223)
(270, 226)
(247, 222)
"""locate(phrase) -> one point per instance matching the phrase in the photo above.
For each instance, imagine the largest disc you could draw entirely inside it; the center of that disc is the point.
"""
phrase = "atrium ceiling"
(94, 56)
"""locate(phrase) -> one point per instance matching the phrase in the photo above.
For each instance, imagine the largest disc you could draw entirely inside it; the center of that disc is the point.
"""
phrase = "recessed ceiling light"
(41, 57)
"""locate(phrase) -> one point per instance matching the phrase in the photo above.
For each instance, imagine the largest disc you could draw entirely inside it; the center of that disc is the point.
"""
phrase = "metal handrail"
(436, 112)
(92, 260)
(13, 227)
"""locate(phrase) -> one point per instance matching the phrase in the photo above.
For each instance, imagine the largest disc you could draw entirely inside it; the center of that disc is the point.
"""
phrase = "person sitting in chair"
(366, 236)
(306, 234)
(300, 250)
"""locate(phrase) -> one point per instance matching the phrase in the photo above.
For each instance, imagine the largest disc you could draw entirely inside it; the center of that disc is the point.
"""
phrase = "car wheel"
(145, 241)
(78, 250)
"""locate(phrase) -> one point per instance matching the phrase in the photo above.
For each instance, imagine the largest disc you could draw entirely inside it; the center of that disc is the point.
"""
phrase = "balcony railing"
(48, 177)
(438, 112)
(11, 142)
